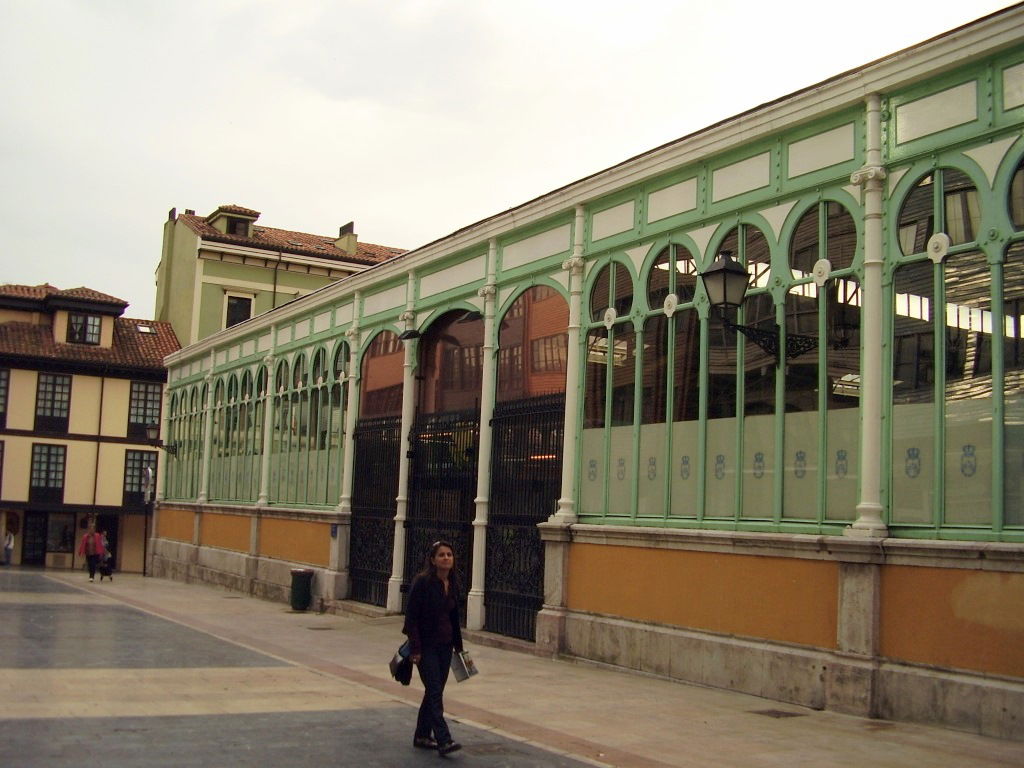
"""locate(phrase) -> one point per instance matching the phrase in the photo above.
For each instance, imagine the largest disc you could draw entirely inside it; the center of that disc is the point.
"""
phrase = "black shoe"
(424, 742)
(448, 747)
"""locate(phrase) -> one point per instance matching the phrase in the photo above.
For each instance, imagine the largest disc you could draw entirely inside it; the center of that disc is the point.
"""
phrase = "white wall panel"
(673, 200)
(613, 220)
(380, 302)
(744, 176)
(946, 109)
(821, 151)
(452, 277)
(545, 244)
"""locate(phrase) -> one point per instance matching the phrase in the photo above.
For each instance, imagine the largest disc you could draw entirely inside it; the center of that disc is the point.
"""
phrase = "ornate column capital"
(575, 264)
(868, 173)
(487, 292)
(408, 316)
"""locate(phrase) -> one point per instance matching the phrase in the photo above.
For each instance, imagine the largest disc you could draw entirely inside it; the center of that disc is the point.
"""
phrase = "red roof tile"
(234, 209)
(28, 291)
(319, 246)
(131, 348)
(89, 294)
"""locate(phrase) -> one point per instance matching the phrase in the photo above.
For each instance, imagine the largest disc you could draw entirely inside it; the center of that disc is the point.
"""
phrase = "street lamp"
(726, 282)
(153, 436)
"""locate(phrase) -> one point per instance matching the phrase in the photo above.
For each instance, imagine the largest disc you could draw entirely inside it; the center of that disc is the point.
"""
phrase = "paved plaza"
(148, 672)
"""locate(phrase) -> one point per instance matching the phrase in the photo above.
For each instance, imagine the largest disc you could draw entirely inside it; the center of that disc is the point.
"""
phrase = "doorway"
(33, 540)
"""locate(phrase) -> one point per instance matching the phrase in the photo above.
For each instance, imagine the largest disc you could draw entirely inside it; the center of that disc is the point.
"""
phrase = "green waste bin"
(302, 588)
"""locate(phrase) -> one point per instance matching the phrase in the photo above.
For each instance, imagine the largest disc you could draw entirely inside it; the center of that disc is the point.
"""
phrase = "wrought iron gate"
(526, 473)
(377, 444)
(442, 487)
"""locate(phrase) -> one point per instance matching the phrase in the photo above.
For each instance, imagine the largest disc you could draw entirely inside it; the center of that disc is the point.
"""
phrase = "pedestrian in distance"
(432, 625)
(8, 546)
(92, 548)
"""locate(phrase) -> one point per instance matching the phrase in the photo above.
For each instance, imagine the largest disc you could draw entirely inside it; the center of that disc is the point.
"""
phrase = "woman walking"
(432, 624)
(92, 548)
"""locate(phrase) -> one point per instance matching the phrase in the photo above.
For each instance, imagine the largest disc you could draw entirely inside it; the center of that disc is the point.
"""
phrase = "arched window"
(824, 379)
(609, 397)
(532, 345)
(941, 348)
(382, 377)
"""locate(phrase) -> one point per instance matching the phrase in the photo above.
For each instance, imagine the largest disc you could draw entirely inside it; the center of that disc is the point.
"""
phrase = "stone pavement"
(148, 672)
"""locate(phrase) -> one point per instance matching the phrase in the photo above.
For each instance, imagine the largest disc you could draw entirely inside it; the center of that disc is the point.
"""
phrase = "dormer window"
(83, 329)
(238, 227)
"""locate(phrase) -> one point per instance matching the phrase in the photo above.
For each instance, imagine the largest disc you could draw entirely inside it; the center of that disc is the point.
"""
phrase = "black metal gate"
(526, 475)
(377, 444)
(442, 488)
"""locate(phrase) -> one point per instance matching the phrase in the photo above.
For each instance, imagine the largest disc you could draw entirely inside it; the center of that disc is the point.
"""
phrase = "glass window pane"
(758, 409)
(1013, 386)
(841, 233)
(968, 466)
(685, 402)
(655, 370)
(720, 479)
(962, 208)
(917, 220)
(600, 294)
(533, 345)
(1016, 200)
(658, 282)
(913, 429)
(842, 319)
(800, 440)
(804, 247)
(592, 453)
(686, 274)
(382, 376)
(623, 289)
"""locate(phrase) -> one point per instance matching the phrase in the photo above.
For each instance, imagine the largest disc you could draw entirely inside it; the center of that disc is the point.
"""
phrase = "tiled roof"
(45, 291)
(319, 246)
(28, 291)
(88, 294)
(234, 209)
(132, 348)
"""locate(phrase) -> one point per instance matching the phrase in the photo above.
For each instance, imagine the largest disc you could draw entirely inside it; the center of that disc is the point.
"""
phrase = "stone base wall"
(807, 677)
(258, 576)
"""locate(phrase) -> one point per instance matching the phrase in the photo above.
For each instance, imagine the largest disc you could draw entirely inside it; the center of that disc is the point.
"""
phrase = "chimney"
(172, 214)
(189, 212)
(347, 239)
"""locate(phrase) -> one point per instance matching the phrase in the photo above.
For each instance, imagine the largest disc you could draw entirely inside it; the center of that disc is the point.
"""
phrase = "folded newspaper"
(463, 666)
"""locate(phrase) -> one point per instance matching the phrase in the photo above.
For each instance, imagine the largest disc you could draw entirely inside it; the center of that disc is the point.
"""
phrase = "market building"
(79, 384)
(812, 494)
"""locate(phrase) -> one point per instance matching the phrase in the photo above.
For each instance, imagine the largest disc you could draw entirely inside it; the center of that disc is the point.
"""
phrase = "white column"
(204, 471)
(351, 407)
(475, 616)
(268, 429)
(869, 522)
(394, 602)
(566, 511)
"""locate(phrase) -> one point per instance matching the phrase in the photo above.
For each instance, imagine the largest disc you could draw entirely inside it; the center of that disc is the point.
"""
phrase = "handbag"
(463, 666)
(401, 665)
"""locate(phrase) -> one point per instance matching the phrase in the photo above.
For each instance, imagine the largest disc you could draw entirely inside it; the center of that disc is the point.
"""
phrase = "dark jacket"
(424, 611)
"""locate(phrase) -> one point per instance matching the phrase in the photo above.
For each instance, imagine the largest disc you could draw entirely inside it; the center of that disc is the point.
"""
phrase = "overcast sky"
(412, 118)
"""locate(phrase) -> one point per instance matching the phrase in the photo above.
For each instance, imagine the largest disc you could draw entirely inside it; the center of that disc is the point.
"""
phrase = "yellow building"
(78, 386)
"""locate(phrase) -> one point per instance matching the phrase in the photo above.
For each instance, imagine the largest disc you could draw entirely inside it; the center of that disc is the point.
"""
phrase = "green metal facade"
(683, 423)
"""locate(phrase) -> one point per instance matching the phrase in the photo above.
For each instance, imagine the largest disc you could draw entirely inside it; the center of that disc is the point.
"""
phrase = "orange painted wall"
(175, 524)
(225, 532)
(773, 598)
(299, 540)
(954, 618)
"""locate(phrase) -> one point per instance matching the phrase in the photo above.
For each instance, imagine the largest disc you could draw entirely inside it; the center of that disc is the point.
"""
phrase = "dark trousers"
(435, 661)
(92, 561)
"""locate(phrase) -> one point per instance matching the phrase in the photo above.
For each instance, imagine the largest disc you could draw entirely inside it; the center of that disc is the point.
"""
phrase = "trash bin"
(302, 588)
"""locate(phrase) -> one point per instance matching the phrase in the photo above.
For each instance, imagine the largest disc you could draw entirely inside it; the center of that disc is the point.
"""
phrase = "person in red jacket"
(92, 548)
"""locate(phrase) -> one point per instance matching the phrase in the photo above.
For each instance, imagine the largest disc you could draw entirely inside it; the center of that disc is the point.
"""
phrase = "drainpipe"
(204, 473)
(566, 510)
(475, 616)
(394, 602)
(869, 522)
